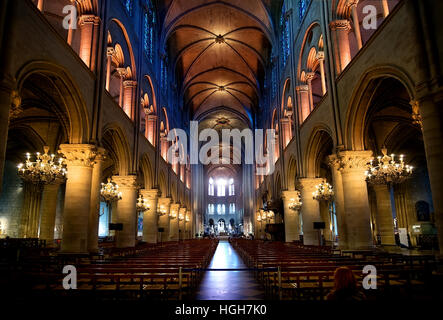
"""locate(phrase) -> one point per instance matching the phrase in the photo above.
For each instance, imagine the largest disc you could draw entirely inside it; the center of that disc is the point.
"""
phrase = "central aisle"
(228, 285)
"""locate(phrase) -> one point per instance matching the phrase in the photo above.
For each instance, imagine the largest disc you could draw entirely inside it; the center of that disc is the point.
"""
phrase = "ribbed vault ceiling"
(219, 50)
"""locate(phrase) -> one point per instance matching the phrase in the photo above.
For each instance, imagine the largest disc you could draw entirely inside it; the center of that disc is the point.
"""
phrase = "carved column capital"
(354, 160)
(101, 154)
(343, 25)
(310, 76)
(126, 182)
(88, 19)
(81, 155)
(320, 56)
(122, 72)
(334, 162)
(110, 51)
(130, 83)
(309, 184)
(151, 194)
(352, 3)
(302, 88)
(416, 116)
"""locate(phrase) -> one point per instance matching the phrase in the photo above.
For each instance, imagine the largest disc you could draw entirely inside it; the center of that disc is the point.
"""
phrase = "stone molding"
(340, 25)
(309, 183)
(303, 87)
(88, 19)
(81, 155)
(354, 160)
(126, 182)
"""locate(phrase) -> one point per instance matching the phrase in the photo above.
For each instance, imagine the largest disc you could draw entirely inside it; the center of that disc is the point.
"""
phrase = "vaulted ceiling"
(219, 50)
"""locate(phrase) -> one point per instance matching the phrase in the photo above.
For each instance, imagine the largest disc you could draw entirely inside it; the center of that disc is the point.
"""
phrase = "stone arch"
(292, 173)
(146, 169)
(162, 184)
(72, 101)
(321, 138)
(114, 141)
(354, 137)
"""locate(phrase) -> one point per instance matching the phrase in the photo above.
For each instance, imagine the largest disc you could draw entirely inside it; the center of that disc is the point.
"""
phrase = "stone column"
(310, 210)
(173, 222)
(356, 202)
(151, 124)
(40, 4)
(163, 221)
(126, 211)
(340, 35)
(164, 146)
(353, 4)
(337, 183)
(431, 115)
(94, 211)
(30, 216)
(181, 223)
(79, 159)
(309, 77)
(286, 131)
(128, 97)
(321, 61)
(150, 217)
(385, 221)
(385, 8)
(6, 91)
(88, 25)
(109, 54)
(122, 74)
(48, 212)
(291, 217)
(303, 93)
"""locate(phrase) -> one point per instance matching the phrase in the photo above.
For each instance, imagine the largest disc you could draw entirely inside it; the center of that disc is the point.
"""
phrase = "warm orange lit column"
(385, 221)
(48, 212)
(94, 211)
(353, 4)
(356, 202)
(286, 131)
(40, 4)
(128, 97)
(309, 77)
(310, 210)
(385, 8)
(292, 217)
(164, 146)
(303, 93)
(79, 159)
(89, 25)
(181, 223)
(109, 54)
(173, 222)
(150, 217)
(340, 35)
(151, 125)
(321, 61)
(164, 205)
(126, 211)
(122, 74)
(337, 183)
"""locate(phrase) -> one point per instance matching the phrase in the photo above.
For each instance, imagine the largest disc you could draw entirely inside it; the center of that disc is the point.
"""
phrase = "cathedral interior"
(145, 145)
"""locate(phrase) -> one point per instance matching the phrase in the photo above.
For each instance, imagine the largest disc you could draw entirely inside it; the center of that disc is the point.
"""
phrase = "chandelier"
(187, 219)
(109, 191)
(142, 204)
(173, 214)
(181, 217)
(387, 170)
(258, 216)
(295, 204)
(324, 192)
(44, 170)
(270, 214)
(161, 210)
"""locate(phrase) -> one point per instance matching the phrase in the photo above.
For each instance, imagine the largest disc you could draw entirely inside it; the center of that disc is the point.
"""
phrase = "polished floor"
(230, 284)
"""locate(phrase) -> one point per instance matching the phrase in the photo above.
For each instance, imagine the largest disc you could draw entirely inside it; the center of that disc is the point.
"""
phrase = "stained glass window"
(128, 5)
(148, 31)
(285, 41)
(303, 6)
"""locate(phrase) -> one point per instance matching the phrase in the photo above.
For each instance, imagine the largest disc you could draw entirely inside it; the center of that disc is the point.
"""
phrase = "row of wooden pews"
(171, 270)
(294, 271)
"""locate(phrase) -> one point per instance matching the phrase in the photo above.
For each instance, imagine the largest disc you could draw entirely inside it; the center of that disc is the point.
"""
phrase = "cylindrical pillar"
(173, 222)
(181, 223)
(110, 52)
(48, 212)
(94, 211)
(342, 51)
(126, 211)
(321, 61)
(356, 23)
(310, 210)
(164, 205)
(79, 160)
(385, 8)
(128, 97)
(356, 202)
(150, 217)
(337, 183)
(40, 4)
(88, 28)
(151, 124)
(291, 216)
(122, 74)
(6, 89)
(385, 221)
(309, 77)
(303, 92)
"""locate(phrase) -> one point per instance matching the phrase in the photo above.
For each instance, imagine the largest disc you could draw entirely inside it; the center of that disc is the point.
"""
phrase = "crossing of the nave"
(338, 167)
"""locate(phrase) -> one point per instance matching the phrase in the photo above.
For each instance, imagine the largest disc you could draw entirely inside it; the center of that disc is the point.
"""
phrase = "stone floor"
(228, 285)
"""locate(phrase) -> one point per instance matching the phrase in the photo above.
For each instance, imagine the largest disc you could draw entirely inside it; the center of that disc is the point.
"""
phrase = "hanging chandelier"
(258, 216)
(173, 214)
(44, 170)
(181, 217)
(142, 204)
(324, 192)
(387, 170)
(161, 210)
(295, 204)
(109, 191)
(187, 218)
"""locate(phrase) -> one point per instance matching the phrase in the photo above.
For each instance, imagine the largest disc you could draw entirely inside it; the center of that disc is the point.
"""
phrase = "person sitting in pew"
(345, 286)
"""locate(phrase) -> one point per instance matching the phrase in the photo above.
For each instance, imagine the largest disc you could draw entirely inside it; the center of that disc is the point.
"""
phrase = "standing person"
(345, 286)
